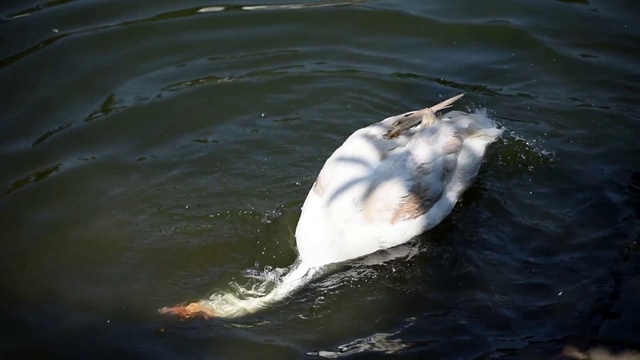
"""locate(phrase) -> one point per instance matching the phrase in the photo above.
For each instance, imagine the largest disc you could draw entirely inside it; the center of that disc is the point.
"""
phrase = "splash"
(534, 145)
(264, 288)
(520, 151)
(519, 148)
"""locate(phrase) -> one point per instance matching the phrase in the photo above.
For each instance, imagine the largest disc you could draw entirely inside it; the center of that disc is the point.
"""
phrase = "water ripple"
(280, 6)
(172, 144)
(39, 7)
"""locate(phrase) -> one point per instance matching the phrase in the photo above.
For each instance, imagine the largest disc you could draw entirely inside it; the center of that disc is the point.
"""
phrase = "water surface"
(153, 152)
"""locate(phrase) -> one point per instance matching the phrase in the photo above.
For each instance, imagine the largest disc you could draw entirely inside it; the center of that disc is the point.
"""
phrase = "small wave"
(377, 342)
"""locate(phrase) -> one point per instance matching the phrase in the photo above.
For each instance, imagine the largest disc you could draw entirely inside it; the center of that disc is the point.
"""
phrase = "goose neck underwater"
(386, 184)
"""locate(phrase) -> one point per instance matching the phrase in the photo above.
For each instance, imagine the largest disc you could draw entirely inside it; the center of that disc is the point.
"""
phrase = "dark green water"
(153, 152)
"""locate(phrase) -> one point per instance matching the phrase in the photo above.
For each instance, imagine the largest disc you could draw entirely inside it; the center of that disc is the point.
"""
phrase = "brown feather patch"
(415, 204)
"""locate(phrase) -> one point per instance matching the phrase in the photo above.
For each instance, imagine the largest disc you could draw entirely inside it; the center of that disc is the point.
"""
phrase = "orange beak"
(189, 311)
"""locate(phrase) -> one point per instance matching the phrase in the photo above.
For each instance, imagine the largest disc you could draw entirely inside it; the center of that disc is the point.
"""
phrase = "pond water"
(158, 152)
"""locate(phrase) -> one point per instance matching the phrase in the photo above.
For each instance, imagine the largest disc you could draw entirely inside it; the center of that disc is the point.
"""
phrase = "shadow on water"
(32, 178)
(39, 7)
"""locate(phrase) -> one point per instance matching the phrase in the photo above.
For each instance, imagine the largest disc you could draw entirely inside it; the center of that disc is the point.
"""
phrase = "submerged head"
(192, 310)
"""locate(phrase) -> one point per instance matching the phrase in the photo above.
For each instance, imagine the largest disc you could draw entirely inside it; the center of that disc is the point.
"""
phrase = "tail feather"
(443, 105)
(426, 116)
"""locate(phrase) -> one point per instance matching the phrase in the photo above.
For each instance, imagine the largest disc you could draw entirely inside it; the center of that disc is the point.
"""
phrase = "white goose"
(387, 183)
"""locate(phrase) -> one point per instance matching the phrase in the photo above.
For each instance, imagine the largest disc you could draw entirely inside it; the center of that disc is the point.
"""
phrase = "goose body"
(386, 184)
